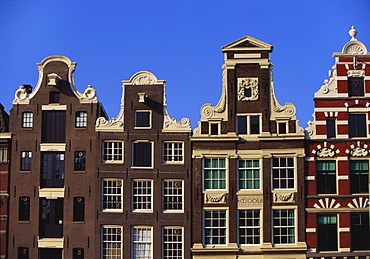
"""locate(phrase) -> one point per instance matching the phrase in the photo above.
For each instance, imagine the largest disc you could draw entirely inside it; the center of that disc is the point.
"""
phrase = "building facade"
(248, 165)
(337, 162)
(143, 176)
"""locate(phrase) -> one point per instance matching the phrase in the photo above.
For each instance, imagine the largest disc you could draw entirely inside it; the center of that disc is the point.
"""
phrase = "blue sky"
(178, 41)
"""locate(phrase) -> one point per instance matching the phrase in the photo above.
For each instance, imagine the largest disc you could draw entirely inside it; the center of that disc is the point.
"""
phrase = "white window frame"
(248, 120)
(294, 227)
(112, 149)
(151, 155)
(278, 123)
(284, 168)
(174, 243)
(218, 128)
(141, 242)
(140, 198)
(170, 192)
(150, 119)
(4, 154)
(216, 168)
(115, 194)
(259, 168)
(81, 119)
(113, 242)
(27, 120)
(250, 227)
(226, 227)
(169, 151)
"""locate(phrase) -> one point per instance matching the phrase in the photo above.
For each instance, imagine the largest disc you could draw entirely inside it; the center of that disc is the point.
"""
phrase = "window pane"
(357, 125)
(142, 119)
(172, 195)
(284, 226)
(254, 125)
(242, 125)
(112, 238)
(172, 242)
(283, 172)
(112, 194)
(27, 120)
(326, 177)
(249, 174)
(331, 128)
(215, 173)
(81, 119)
(215, 227)
(327, 232)
(359, 171)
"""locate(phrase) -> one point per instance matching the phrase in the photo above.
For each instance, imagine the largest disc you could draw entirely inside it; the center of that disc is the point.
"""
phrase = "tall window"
(143, 119)
(326, 180)
(27, 120)
(142, 242)
(52, 174)
(357, 126)
(284, 226)
(78, 209)
(283, 172)
(53, 126)
(249, 227)
(112, 197)
(79, 161)
(112, 152)
(331, 128)
(356, 86)
(214, 173)
(215, 229)
(172, 243)
(359, 175)
(3, 154)
(173, 152)
(26, 158)
(142, 195)
(172, 195)
(249, 174)
(142, 154)
(81, 119)
(112, 242)
(360, 236)
(51, 218)
(249, 124)
(327, 232)
(24, 209)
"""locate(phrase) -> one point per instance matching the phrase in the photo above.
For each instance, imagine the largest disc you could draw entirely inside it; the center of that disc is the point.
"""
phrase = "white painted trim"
(343, 177)
(310, 178)
(310, 230)
(51, 242)
(344, 229)
(247, 55)
(52, 107)
(52, 147)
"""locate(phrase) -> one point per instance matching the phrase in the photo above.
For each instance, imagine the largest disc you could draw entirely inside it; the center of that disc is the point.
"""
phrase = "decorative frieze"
(250, 200)
(325, 151)
(358, 151)
(327, 203)
(248, 89)
(359, 203)
(289, 197)
(208, 198)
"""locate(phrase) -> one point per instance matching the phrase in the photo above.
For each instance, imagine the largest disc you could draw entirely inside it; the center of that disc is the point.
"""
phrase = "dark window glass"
(331, 128)
(242, 125)
(214, 129)
(81, 119)
(23, 253)
(54, 97)
(357, 125)
(326, 177)
(78, 209)
(27, 120)
(356, 86)
(51, 218)
(142, 119)
(327, 232)
(26, 157)
(360, 236)
(50, 253)
(359, 173)
(142, 154)
(78, 253)
(282, 127)
(254, 125)
(52, 171)
(24, 209)
(53, 126)
(79, 162)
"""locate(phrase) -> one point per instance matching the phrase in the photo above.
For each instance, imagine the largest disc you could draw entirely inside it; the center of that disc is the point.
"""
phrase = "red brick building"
(337, 159)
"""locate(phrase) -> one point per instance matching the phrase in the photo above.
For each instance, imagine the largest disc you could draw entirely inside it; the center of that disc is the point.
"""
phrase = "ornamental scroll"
(248, 89)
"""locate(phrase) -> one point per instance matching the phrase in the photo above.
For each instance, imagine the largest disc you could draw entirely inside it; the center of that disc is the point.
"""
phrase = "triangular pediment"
(247, 42)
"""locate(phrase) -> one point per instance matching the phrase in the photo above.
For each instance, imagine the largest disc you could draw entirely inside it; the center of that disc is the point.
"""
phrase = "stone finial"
(352, 32)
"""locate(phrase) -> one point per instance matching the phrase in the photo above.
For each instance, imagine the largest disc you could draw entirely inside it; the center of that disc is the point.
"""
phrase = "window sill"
(79, 172)
(172, 211)
(24, 222)
(142, 211)
(25, 172)
(78, 222)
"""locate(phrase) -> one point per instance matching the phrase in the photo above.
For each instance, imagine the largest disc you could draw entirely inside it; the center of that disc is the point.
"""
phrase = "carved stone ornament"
(284, 197)
(21, 93)
(358, 151)
(250, 200)
(215, 199)
(325, 152)
(144, 79)
(170, 124)
(248, 89)
(89, 93)
(356, 73)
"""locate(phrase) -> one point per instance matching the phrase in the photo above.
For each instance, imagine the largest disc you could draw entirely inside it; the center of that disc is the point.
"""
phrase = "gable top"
(247, 43)
(354, 47)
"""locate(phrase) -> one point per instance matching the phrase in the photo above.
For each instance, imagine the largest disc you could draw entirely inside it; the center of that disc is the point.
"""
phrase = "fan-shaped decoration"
(327, 203)
(359, 202)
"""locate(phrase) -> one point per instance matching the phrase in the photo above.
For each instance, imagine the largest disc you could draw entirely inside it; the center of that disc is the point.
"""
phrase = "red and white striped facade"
(333, 140)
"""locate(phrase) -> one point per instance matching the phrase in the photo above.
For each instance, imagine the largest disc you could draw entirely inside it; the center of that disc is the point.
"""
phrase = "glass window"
(214, 128)
(360, 236)
(3, 154)
(142, 242)
(24, 209)
(26, 158)
(81, 119)
(142, 195)
(214, 173)
(112, 242)
(284, 226)
(327, 232)
(78, 209)
(112, 197)
(172, 242)
(359, 176)
(51, 218)
(357, 125)
(326, 180)
(27, 120)
(283, 172)
(143, 119)
(112, 152)
(215, 229)
(249, 174)
(142, 155)
(173, 152)
(249, 227)
(248, 124)
(79, 161)
(282, 127)
(172, 195)
(331, 128)
(52, 174)
(356, 86)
